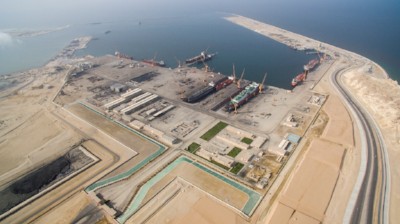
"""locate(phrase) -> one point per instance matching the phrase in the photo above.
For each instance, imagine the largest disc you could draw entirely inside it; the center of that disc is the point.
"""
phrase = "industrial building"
(117, 87)
(123, 99)
(142, 103)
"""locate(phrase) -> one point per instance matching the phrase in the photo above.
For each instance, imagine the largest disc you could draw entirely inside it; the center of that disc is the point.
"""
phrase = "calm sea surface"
(178, 31)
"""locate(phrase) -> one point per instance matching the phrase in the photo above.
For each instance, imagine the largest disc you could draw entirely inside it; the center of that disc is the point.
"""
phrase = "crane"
(179, 62)
(261, 86)
(206, 67)
(153, 61)
(240, 80)
(233, 73)
(321, 59)
(235, 106)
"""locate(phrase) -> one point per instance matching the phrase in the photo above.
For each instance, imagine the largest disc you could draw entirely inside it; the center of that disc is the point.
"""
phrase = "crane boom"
(233, 73)
(241, 78)
(261, 86)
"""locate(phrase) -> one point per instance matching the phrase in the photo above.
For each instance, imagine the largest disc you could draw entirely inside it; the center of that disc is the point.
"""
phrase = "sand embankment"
(382, 99)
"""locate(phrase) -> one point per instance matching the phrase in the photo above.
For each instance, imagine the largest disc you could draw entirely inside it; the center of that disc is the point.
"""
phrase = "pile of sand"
(382, 96)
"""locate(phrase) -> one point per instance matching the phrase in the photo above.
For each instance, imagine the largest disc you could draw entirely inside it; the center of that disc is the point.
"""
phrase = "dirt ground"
(196, 207)
(204, 181)
(66, 212)
(30, 135)
(45, 143)
(339, 128)
(312, 183)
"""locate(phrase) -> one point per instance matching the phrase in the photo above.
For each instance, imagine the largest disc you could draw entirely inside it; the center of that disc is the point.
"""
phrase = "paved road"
(369, 199)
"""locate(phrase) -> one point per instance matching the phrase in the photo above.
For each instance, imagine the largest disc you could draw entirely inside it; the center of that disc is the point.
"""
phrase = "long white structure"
(131, 93)
(113, 104)
(163, 111)
(139, 104)
(123, 99)
(140, 97)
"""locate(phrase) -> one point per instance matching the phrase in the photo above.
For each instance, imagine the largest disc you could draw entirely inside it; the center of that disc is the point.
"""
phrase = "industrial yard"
(241, 148)
(161, 145)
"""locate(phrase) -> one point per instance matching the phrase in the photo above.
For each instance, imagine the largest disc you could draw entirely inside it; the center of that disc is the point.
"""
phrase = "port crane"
(233, 73)
(321, 59)
(154, 59)
(261, 86)
(240, 80)
(235, 107)
(206, 67)
(180, 64)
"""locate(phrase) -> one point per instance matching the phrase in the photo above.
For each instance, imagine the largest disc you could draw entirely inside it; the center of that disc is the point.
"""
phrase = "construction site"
(174, 145)
(131, 103)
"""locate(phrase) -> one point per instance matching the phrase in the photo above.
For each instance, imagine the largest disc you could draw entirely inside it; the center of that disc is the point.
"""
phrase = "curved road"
(370, 197)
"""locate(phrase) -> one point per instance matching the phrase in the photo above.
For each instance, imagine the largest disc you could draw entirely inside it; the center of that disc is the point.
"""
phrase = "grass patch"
(214, 131)
(236, 168)
(247, 140)
(193, 147)
(234, 152)
(220, 165)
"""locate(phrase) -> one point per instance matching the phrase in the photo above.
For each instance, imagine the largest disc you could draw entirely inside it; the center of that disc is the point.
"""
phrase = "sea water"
(175, 30)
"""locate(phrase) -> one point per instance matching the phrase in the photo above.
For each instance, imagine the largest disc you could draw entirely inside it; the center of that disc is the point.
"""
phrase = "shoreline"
(64, 56)
(283, 36)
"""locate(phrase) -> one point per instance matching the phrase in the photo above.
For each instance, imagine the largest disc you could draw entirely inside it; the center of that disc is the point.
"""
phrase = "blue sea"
(177, 29)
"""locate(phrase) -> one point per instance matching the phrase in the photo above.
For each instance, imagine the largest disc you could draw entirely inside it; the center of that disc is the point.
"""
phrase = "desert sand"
(311, 185)
(382, 98)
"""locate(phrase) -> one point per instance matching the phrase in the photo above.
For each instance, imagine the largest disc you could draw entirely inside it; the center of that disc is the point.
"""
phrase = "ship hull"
(224, 83)
(311, 65)
(199, 59)
(244, 100)
(200, 94)
(154, 63)
(204, 92)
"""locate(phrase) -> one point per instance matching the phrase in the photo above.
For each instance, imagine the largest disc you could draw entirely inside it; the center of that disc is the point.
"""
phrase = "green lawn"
(236, 168)
(247, 140)
(193, 147)
(214, 131)
(234, 152)
(220, 165)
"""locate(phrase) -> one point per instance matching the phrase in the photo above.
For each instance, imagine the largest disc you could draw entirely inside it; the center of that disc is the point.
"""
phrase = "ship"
(209, 89)
(201, 93)
(153, 62)
(298, 79)
(120, 55)
(202, 57)
(226, 100)
(224, 82)
(244, 96)
(311, 65)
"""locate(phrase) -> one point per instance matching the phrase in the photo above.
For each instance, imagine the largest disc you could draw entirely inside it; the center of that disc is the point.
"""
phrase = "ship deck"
(212, 101)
